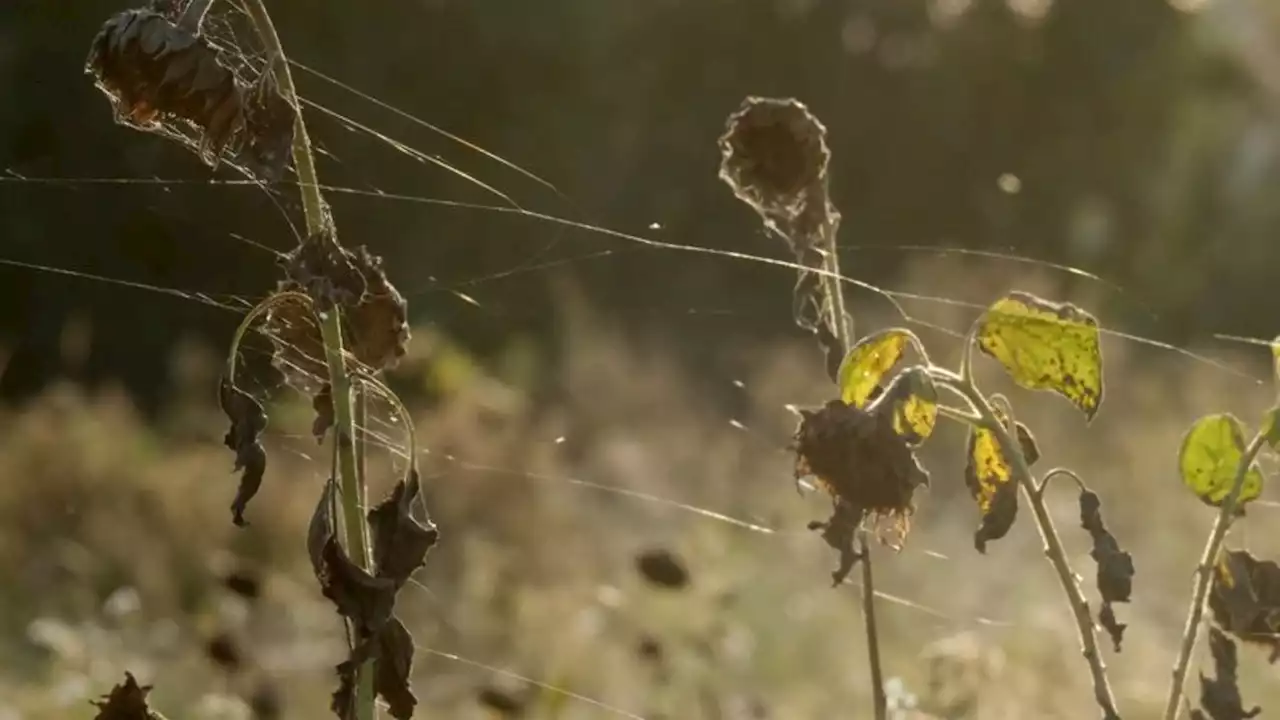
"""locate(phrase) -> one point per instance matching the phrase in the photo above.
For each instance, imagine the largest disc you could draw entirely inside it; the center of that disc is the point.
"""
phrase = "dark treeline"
(1143, 143)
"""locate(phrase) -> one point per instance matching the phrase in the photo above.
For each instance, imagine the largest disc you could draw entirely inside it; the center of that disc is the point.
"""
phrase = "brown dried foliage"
(367, 599)
(866, 466)
(1245, 599)
(126, 701)
(166, 77)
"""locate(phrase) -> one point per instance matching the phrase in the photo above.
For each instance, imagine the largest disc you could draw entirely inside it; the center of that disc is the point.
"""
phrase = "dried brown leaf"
(839, 532)
(1245, 599)
(126, 701)
(1220, 696)
(248, 420)
(1115, 566)
(400, 541)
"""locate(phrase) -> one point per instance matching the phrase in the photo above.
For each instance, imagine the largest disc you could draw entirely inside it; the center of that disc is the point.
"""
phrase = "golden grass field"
(117, 534)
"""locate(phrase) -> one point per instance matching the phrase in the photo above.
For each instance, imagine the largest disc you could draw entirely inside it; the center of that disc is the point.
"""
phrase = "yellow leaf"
(989, 476)
(1046, 346)
(912, 399)
(867, 362)
(1210, 457)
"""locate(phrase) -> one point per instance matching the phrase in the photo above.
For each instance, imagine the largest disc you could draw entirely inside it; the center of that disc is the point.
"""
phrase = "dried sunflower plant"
(335, 320)
(1241, 592)
(860, 447)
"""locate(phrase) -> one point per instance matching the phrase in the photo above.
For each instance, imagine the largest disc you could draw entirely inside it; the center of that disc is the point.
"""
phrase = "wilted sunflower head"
(376, 327)
(166, 77)
(859, 458)
(774, 156)
(156, 72)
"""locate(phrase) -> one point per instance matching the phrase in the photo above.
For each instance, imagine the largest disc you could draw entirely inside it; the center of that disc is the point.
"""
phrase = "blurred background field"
(582, 399)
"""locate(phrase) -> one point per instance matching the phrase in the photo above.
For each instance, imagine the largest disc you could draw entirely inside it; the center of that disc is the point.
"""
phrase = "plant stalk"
(1204, 577)
(1053, 547)
(351, 479)
(844, 335)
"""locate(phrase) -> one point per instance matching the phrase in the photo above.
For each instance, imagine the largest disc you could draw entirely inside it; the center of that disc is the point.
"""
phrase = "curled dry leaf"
(168, 78)
(839, 533)
(367, 599)
(911, 400)
(322, 404)
(989, 477)
(1045, 345)
(126, 701)
(400, 541)
(1115, 566)
(248, 420)
(1245, 599)
(1220, 696)
(1209, 459)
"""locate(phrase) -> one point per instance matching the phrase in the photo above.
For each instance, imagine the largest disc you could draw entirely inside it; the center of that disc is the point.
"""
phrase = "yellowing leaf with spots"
(989, 477)
(867, 362)
(912, 400)
(1209, 460)
(1046, 346)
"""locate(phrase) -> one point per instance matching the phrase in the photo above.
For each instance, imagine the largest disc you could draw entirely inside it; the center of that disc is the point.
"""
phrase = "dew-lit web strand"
(892, 296)
(384, 442)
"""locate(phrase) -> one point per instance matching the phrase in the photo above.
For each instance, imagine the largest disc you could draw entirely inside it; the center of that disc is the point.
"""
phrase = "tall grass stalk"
(351, 480)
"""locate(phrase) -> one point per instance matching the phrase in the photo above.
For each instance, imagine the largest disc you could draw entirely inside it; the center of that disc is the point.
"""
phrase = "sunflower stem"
(1053, 548)
(351, 478)
(1204, 577)
(840, 327)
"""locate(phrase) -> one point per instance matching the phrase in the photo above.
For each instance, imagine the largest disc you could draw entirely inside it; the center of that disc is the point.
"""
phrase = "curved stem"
(1204, 577)
(250, 317)
(1053, 547)
(1055, 472)
(352, 479)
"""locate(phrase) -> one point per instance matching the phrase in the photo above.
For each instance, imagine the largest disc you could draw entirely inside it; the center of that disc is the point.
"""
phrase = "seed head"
(167, 78)
(859, 458)
(774, 156)
(376, 327)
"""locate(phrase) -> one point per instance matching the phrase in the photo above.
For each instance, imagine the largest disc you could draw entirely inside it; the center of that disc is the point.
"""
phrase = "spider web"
(228, 30)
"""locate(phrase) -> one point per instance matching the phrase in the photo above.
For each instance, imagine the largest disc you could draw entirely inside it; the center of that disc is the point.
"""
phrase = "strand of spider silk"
(331, 334)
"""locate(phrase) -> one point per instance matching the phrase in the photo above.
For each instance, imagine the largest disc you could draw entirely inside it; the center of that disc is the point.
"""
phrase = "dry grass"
(115, 535)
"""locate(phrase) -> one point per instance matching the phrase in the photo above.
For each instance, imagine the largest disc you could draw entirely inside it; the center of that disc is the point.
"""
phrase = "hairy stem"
(1053, 548)
(834, 296)
(351, 479)
(1204, 577)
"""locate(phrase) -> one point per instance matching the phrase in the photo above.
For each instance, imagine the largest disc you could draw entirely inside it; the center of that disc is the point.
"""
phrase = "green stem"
(352, 481)
(1204, 577)
(1053, 547)
(303, 159)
